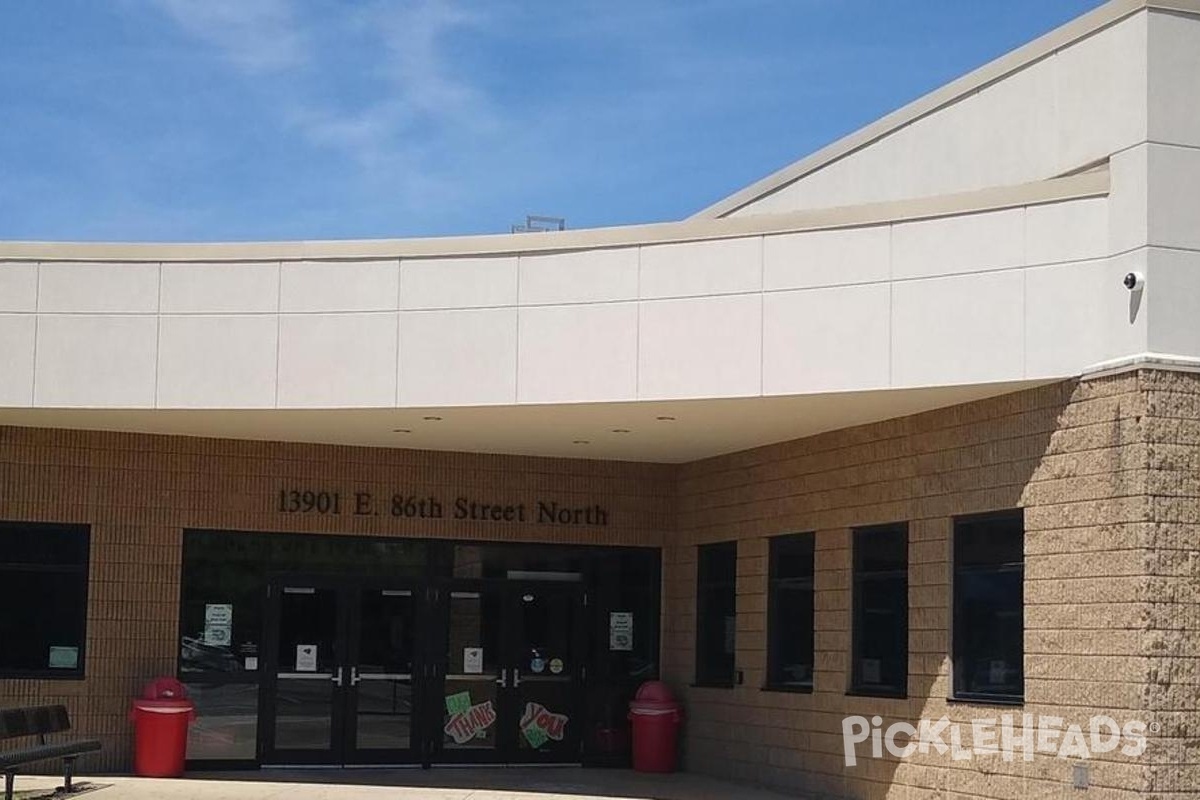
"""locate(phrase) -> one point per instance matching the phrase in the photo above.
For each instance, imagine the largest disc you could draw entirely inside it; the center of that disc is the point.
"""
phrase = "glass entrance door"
(471, 673)
(339, 679)
(380, 696)
(547, 671)
(508, 682)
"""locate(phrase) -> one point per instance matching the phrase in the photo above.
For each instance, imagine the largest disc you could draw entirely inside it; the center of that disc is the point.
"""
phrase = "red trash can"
(160, 725)
(656, 716)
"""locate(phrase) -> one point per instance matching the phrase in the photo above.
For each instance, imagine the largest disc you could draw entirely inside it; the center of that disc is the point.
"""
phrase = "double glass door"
(510, 672)
(339, 679)
(393, 673)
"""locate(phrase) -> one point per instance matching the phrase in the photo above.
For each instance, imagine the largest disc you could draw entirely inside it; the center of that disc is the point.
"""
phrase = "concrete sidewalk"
(517, 783)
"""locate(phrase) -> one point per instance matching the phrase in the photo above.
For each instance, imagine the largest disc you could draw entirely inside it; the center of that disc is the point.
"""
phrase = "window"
(790, 613)
(716, 614)
(44, 570)
(880, 637)
(989, 607)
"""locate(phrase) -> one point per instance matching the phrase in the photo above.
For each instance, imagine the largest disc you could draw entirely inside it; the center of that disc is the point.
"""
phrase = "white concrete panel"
(580, 277)
(1128, 199)
(826, 339)
(1174, 87)
(578, 354)
(724, 266)
(18, 287)
(216, 288)
(936, 154)
(703, 347)
(1066, 314)
(1174, 196)
(958, 329)
(96, 361)
(826, 258)
(1075, 230)
(1012, 126)
(83, 288)
(1173, 297)
(952, 245)
(17, 332)
(1003, 134)
(337, 360)
(458, 282)
(217, 361)
(339, 286)
(1101, 93)
(458, 357)
(866, 175)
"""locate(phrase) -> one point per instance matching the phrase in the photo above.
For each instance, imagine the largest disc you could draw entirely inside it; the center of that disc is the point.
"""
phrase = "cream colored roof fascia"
(1074, 187)
(1079, 28)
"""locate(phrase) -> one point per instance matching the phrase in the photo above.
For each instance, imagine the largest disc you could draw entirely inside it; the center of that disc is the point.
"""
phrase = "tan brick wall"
(1108, 472)
(140, 492)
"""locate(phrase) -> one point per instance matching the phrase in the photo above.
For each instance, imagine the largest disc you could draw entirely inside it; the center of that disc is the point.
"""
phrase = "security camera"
(1135, 281)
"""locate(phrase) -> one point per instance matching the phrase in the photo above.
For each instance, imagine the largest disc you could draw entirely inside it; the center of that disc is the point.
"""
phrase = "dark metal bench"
(39, 721)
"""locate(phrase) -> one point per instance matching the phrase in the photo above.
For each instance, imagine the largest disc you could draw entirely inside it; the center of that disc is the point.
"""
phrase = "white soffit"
(609, 431)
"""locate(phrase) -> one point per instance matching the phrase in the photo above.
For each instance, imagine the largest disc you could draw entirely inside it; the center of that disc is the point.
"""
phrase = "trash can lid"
(164, 688)
(654, 692)
(653, 697)
(180, 706)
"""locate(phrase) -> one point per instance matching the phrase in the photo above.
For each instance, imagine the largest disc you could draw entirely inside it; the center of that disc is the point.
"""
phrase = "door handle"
(336, 677)
(502, 681)
(355, 678)
(516, 677)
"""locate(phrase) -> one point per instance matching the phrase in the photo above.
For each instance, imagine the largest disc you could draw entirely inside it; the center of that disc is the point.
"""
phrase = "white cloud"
(403, 90)
(255, 35)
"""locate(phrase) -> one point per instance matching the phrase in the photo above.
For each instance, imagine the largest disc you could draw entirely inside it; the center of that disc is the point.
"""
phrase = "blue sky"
(206, 120)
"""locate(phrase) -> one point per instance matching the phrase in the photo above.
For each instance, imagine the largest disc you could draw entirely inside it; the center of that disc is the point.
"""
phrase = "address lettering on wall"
(369, 504)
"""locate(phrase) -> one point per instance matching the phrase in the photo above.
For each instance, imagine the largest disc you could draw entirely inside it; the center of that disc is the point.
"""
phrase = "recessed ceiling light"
(401, 430)
(432, 419)
(620, 430)
(665, 418)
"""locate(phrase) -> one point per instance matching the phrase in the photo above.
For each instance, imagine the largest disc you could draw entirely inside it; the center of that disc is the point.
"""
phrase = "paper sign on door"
(458, 703)
(218, 624)
(620, 630)
(467, 725)
(539, 724)
(306, 658)
(472, 660)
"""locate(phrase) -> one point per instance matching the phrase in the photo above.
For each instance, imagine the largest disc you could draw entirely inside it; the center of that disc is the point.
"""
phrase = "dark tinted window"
(989, 621)
(790, 612)
(880, 635)
(716, 614)
(43, 599)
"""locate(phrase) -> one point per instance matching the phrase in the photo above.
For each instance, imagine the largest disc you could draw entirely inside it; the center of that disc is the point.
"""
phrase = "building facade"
(888, 464)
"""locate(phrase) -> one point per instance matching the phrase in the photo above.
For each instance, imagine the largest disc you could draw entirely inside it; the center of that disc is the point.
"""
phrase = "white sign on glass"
(218, 614)
(620, 630)
(472, 660)
(217, 635)
(306, 658)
